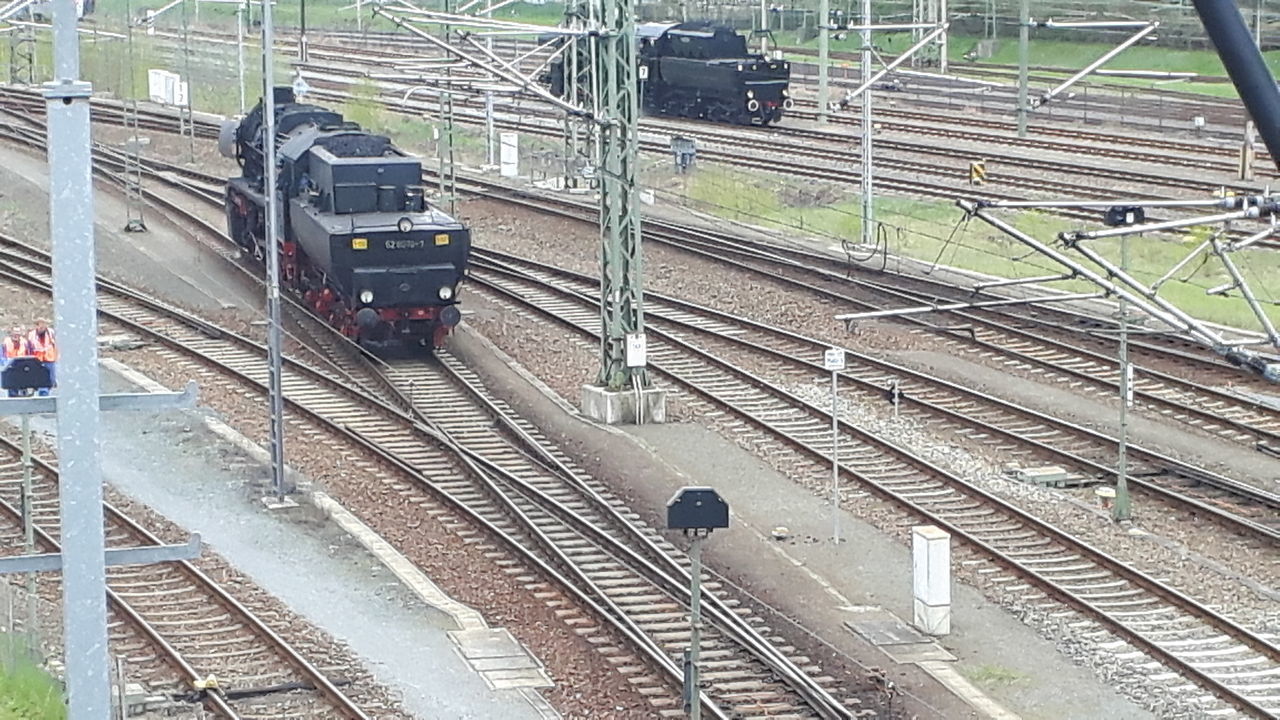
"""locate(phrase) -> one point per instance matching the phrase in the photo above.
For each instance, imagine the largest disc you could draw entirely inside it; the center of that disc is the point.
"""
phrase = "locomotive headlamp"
(366, 296)
(446, 292)
(405, 225)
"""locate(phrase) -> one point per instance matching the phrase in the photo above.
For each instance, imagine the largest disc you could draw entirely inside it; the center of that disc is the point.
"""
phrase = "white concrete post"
(510, 156)
(931, 570)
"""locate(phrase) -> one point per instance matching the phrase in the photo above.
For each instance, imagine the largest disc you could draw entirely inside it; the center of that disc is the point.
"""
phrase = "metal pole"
(942, 41)
(835, 457)
(186, 62)
(302, 32)
(28, 529)
(488, 103)
(1120, 511)
(824, 57)
(1257, 24)
(240, 12)
(274, 331)
(695, 635)
(868, 190)
(1024, 39)
(764, 27)
(75, 313)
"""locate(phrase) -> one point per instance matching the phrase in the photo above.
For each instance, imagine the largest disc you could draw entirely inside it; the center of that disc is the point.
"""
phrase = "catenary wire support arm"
(904, 57)
(1106, 57)
(975, 210)
(1118, 282)
(499, 69)
(1259, 312)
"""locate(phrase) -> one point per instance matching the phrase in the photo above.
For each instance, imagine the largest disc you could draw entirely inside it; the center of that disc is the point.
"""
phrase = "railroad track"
(173, 622)
(1074, 355)
(1219, 656)
(749, 674)
(1209, 409)
(1009, 429)
(1199, 405)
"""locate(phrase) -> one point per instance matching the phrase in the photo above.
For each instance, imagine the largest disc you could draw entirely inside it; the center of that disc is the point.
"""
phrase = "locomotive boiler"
(360, 246)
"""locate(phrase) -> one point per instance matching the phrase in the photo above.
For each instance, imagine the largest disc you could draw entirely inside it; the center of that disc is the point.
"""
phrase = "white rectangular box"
(931, 578)
(509, 157)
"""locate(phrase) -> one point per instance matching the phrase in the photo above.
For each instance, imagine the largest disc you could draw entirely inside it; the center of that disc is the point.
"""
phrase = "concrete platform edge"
(946, 675)
(410, 576)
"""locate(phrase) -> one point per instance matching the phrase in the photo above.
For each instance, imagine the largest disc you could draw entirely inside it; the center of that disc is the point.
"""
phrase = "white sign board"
(151, 22)
(833, 359)
(163, 87)
(637, 350)
(509, 157)
(181, 96)
(644, 72)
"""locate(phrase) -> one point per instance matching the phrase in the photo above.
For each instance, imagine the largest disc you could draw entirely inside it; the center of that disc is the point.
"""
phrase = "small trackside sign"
(637, 350)
(833, 359)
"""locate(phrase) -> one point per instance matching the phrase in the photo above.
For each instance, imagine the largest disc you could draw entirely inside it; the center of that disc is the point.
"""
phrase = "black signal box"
(697, 508)
(24, 373)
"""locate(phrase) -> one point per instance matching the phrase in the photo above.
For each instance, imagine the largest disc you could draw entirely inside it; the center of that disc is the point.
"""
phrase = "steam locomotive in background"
(360, 245)
(703, 71)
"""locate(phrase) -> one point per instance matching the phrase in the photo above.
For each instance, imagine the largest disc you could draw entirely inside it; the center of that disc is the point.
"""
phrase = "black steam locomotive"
(704, 71)
(360, 245)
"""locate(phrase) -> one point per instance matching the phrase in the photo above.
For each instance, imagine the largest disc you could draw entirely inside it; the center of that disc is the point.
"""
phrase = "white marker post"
(931, 571)
(833, 360)
(509, 155)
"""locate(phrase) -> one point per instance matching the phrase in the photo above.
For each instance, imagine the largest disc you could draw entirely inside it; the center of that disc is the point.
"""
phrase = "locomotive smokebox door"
(697, 508)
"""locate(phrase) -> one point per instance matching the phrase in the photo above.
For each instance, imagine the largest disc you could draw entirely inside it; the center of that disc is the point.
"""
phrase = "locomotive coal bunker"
(700, 70)
(360, 246)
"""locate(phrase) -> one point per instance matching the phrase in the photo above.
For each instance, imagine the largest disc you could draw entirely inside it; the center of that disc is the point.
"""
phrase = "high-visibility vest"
(46, 349)
(15, 348)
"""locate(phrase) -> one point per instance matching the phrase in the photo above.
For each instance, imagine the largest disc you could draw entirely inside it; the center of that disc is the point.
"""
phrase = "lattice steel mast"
(621, 276)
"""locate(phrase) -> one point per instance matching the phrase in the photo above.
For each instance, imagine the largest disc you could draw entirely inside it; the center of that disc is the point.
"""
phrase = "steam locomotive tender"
(699, 70)
(703, 71)
(360, 246)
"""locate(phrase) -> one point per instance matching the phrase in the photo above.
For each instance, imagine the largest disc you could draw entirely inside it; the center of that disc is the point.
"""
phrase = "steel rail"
(1246, 494)
(1120, 569)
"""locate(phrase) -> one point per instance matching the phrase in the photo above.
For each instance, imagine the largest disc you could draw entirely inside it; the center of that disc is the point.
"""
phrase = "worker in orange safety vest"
(45, 349)
(14, 346)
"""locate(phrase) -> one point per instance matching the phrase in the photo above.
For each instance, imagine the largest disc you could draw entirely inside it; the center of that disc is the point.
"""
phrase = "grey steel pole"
(302, 32)
(868, 189)
(191, 86)
(764, 27)
(1121, 509)
(835, 457)
(1024, 39)
(75, 312)
(274, 390)
(489, 135)
(942, 41)
(28, 528)
(240, 11)
(824, 57)
(695, 635)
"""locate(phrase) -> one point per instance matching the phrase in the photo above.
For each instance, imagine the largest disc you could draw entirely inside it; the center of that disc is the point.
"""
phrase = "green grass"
(27, 692)
(931, 230)
(1070, 55)
(990, 676)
